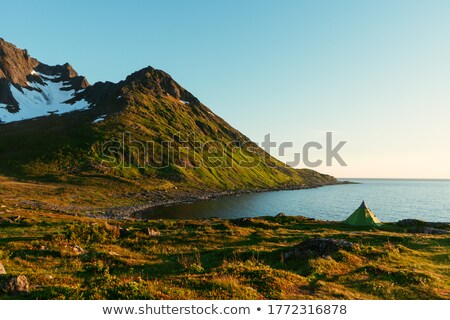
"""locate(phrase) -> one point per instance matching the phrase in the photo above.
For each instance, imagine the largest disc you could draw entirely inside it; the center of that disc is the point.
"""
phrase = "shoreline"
(136, 212)
(157, 199)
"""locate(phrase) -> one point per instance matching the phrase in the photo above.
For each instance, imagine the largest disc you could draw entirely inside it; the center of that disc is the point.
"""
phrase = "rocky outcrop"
(15, 64)
(64, 73)
(428, 230)
(420, 223)
(318, 247)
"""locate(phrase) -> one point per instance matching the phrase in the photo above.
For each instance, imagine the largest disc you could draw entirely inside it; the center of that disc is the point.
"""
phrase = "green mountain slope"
(145, 129)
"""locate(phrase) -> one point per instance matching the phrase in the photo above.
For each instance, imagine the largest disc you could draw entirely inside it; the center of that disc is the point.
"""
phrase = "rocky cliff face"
(15, 64)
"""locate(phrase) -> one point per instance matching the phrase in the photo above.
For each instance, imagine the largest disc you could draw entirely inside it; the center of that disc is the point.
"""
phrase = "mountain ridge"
(118, 132)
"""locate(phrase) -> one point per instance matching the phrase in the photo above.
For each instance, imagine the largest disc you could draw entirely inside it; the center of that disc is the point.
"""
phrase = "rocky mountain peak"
(30, 88)
(160, 83)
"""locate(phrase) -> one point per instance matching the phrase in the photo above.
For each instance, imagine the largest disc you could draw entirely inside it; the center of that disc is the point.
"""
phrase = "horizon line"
(386, 178)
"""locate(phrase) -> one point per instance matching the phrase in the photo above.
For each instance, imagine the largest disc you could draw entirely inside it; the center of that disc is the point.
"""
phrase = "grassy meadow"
(76, 257)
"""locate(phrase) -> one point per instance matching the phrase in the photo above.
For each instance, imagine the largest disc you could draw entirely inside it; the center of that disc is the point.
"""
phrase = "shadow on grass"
(19, 239)
(27, 254)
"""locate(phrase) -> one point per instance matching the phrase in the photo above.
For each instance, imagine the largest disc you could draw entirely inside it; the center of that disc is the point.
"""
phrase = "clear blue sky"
(376, 73)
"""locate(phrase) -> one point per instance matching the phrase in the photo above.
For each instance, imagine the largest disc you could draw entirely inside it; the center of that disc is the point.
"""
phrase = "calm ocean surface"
(389, 199)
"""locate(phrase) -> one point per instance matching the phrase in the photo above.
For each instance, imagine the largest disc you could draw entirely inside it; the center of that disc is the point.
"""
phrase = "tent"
(363, 216)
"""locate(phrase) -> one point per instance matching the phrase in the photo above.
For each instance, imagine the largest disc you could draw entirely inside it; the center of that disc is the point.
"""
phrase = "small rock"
(48, 277)
(2, 269)
(77, 249)
(153, 232)
(280, 215)
(318, 247)
(14, 285)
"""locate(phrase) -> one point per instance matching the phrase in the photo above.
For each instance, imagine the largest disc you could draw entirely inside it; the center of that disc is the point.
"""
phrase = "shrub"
(90, 233)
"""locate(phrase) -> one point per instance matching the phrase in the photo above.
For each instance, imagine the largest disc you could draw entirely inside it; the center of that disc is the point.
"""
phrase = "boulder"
(242, 222)
(13, 284)
(280, 215)
(318, 247)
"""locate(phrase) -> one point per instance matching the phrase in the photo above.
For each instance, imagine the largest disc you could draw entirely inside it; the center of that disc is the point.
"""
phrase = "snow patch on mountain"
(46, 76)
(99, 119)
(41, 100)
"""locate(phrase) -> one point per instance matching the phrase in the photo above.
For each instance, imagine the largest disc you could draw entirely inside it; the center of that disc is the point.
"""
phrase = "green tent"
(363, 216)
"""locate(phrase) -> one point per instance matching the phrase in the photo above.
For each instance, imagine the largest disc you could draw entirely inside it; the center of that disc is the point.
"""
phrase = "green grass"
(217, 259)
